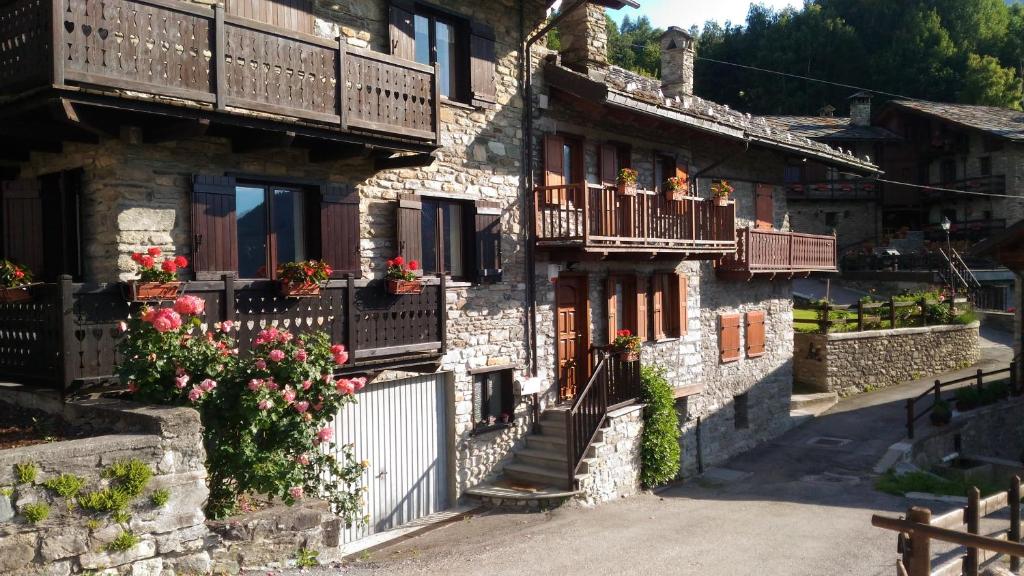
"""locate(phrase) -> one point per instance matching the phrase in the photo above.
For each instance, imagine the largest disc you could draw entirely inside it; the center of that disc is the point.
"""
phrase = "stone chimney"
(860, 109)
(584, 35)
(676, 63)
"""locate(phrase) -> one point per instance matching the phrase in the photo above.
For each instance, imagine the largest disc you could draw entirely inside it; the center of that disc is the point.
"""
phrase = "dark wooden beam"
(170, 130)
(405, 161)
(9, 172)
(248, 141)
(65, 112)
(327, 152)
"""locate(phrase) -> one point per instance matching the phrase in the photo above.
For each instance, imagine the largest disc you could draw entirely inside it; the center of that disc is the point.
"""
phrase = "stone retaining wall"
(995, 431)
(615, 457)
(853, 362)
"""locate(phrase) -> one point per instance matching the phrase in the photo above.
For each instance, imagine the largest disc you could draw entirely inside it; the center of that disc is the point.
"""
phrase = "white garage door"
(399, 427)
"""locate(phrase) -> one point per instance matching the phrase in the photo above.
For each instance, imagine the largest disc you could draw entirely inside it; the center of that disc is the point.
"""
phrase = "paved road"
(785, 508)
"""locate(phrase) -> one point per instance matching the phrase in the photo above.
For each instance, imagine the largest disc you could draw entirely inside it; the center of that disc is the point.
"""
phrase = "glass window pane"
(620, 307)
(453, 241)
(251, 210)
(422, 31)
(567, 164)
(428, 225)
(445, 56)
(493, 384)
(289, 226)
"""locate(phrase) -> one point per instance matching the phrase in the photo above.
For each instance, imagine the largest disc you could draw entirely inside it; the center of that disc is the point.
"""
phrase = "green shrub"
(660, 443)
(65, 485)
(35, 512)
(124, 541)
(965, 318)
(967, 398)
(26, 472)
(159, 498)
(306, 558)
(131, 475)
(107, 500)
(900, 484)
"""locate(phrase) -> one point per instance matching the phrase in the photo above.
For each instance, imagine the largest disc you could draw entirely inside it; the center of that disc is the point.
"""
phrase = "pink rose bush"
(266, 415)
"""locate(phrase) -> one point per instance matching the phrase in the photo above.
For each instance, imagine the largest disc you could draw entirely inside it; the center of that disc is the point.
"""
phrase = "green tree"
(987, 82)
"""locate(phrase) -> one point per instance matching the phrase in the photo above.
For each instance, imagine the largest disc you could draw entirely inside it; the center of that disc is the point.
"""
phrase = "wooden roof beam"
(175, 129)
(245, 141)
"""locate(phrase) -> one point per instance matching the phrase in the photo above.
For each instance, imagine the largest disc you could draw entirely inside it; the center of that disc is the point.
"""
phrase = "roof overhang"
(893, 106)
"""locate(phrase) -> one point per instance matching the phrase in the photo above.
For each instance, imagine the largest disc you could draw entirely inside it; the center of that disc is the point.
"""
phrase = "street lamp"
(946, 225)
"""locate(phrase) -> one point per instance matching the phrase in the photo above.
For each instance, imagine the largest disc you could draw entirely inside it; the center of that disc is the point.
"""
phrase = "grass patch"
(131, 475)
(125, 541)
(306, 558)
(65, 485)
(159, 498)
(106, 500)
(35, 512)
(899, 485)
(26, 472)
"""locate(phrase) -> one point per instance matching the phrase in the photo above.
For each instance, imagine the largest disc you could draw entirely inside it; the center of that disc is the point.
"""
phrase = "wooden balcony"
(774, 252)
(978, 184)
(197, 57)
(598, 220)
(66, 336)
(852, 189)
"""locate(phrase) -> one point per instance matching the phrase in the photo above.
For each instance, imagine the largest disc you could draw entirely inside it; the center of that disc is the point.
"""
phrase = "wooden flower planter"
(675, 195)
(299, 290)
(627, 355)
(721, 200)
(150, 291)
(14, 295)
(627, 189)
(405, 287)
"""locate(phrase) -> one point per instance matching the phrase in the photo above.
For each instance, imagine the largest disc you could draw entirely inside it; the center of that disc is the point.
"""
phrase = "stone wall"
(614, 458)
(856, 222)
(172, 538)
(853, 362)
(994, 431)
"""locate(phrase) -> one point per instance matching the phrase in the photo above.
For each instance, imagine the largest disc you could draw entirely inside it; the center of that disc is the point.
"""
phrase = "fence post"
(1014, 533)
(826, 321)
(229, 297)
(937, 390)
(350, 322)
(920, 549)
(66, 312)
(910, 418)
(892, 312)
(973, 519)
(980, 379)
(860, 316)
(924, 311)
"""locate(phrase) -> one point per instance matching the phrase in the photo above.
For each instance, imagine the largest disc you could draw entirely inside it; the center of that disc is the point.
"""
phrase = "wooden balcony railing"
(67, 335)
(599, 219)
(980, 184)
(191, 52)
(775, 252)
(857, 189)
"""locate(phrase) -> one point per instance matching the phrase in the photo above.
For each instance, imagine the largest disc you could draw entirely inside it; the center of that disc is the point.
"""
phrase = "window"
(669, 305)
(39, 224)
(271, 228)
(440, 39)
(460, 239)
(792, 174)
(831, 218)
(985, 165)
(947, 170)
(664, 168)
(563, 164)
(445, 229)
(493, 399)
(741, 411)
(627, 305)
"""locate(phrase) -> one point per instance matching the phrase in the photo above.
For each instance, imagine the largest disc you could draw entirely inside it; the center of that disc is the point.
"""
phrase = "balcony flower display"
(721, 190)
(156, 281)
(13, 279)
(402, 277)
(626, 181)
(298, 279)
(676, 188)
(626, 346)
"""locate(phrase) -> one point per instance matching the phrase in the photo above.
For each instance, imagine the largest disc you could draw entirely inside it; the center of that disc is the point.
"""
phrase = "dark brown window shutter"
(729, 337)
(611, 303)
(554, 167)
(658, 303)
(609, 164)
(483, 60)
(294, 15)
(488, 241)
(755, 333)
(214, 227)
(641, 308)
(764, 207)
(410, 228)
(401, 31)
(339, 229)
(680, 313)
(22, 213)
(60, 194)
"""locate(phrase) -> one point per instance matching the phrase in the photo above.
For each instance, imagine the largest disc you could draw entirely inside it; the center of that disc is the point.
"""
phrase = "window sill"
(457, 104)
(487, 429)
(665, 340)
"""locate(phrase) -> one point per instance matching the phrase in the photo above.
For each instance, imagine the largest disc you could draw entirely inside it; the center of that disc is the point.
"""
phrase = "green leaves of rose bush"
(659, 454)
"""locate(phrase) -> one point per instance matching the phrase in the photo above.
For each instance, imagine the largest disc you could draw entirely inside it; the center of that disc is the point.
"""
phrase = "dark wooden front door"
(571, 334)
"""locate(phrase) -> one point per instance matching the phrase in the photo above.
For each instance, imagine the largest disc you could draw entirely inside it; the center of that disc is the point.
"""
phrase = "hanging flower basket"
(720, 191)
(402, 277)
(14, 295)
(155, 283)
(627, 355)
(721, 201)
(676, 189)
(139, 291)
(625, 346)
(303, 279)
(626, 182)
(298, 289)
(405, 287)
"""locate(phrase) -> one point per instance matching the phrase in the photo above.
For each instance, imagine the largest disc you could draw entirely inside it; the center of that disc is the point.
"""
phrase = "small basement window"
(741, 409)
(493, 401)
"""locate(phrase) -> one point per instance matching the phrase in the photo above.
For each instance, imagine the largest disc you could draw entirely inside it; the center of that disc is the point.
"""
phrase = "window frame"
(310, 221)
(665, 167)
(630, 318)
(741, 411)
(460, 73)
(467, 233)
(506, 386)
(669, 308)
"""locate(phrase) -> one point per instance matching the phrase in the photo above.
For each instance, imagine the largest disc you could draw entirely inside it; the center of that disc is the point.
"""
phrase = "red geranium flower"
(390, 263)
(169, 266)
(18, 274)
(414, 265)
(146, 261)
(181, 261)
(398, 260)
(154, 252)
(136, 256)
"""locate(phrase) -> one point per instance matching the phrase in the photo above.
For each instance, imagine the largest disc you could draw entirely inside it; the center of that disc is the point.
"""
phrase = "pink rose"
(301, 355)
(288, 394)
(195, 394)
(148, 314)
(301, 407)
(181, 381)
(295, 492)
(341, 358)
(271, 385)
(328, 378)
(285, 336)
(255, 384)
(226, 325)
(302, 459)
(306, 384)
(337, 349)
(318, 406)
(325, 434)
(345, 386)
(166, 320)
(122, 326)
(276, 355)
(261, 364)
(265, 404)
(191, 305)
(360, 383)
(208, 385)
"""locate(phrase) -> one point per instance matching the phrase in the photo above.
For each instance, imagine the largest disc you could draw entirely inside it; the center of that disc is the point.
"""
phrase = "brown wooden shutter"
(680, 313)
(401, 31)
(609, 164)
(410, 228)
(683, 173)
(483, 60)
(488, 241)
(641, 308)
(22, 221)
(611, 303)
(755, 333)
(658, 299)
(729, 337)
(294, 15)
(214, 227)
(554, 167)
(339, 229)
(764, 207)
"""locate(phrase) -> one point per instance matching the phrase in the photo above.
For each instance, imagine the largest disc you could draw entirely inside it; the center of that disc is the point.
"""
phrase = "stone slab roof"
(831, 128)
(1002, 122)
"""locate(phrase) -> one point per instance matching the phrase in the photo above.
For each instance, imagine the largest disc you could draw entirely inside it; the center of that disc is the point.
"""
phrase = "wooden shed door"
(571, 334)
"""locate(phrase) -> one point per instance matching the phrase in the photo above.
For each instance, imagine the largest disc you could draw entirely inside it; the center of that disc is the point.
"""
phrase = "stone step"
(536, 474)
(551, 443)
(553, 415)
(508, 494)
(551, 428)
(815, 403)
(542, 458)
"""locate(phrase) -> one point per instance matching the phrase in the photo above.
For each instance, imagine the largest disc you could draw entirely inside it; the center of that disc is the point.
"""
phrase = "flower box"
(627, 189)
(139, 291)
(627, 355)
(675, 195)
(721, 201)
(299, 289)
(405, 286)
(14, 295)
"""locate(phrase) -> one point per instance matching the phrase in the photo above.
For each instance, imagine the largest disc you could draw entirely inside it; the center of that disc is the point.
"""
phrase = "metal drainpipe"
(526, 73)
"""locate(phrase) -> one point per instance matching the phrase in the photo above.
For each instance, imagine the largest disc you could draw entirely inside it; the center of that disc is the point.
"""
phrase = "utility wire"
(941, 189)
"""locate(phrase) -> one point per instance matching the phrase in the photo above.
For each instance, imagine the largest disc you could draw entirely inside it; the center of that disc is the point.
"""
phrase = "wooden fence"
(68, 333)
(977, 381)
(871, 315)
(961, 527)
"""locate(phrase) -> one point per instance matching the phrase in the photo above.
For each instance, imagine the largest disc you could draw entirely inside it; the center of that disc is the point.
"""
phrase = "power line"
(941, 189)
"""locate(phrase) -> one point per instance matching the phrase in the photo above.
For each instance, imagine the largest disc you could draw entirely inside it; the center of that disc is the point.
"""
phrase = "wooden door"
(571, 334)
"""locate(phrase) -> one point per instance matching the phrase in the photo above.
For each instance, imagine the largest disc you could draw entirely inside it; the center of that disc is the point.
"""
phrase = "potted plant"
(299, 279)
(626, 181)
(676, 188)
(721, 190)
(940, 414)
(626, 346)
(402, 277)
(156, 283)
(13, 280)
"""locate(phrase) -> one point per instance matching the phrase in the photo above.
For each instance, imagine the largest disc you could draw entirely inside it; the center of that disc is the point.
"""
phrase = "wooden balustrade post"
(442, 311)
(973, 520)
(350, 314)
(228, 308)
(57, 40)
(342, 55)
(221, 85)
(586, 214)
(920, 545)
(66, 317)
(436, 108)
(910, 418)
(1014, 533)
